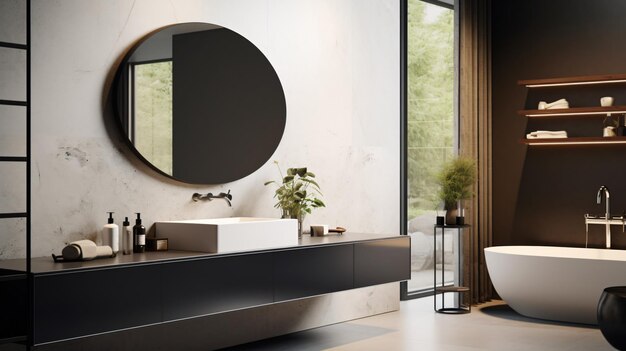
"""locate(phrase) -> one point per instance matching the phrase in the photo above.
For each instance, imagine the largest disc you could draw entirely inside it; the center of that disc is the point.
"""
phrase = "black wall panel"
(540, 194)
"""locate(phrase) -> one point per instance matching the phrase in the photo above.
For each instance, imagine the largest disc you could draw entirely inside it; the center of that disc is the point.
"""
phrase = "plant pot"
(451, 214)
(299, 217)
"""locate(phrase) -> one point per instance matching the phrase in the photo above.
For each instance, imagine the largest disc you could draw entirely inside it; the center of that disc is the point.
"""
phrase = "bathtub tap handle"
(607, 216)
(587, 216)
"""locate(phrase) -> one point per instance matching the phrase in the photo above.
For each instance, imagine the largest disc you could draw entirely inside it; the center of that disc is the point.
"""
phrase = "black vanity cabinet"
(122, 302)
(78, 303)
(203, 286)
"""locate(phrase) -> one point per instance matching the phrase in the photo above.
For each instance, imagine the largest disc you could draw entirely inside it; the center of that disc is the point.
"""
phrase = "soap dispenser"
(127, 237)
(139, 236)
(111, 234)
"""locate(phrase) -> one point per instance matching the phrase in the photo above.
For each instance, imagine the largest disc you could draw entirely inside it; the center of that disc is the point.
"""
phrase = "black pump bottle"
(139, 236)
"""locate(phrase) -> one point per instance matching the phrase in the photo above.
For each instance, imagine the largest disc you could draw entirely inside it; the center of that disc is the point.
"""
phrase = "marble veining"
(339, 69)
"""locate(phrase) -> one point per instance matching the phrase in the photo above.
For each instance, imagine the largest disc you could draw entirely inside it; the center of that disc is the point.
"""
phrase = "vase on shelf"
(455, 214)
(451, 213)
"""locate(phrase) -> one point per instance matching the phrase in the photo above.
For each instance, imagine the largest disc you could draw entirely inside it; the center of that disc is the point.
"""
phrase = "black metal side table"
(454, 288)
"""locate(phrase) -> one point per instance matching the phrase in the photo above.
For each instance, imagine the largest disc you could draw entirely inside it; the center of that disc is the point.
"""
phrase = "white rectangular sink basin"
(228, 234)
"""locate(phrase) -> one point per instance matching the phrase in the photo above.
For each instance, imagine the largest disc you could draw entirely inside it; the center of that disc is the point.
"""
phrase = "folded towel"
(547, 134)
(552, 132)
(557, 106)
(561, 103)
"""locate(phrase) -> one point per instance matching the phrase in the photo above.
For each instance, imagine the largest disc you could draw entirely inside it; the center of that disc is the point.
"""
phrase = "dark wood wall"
(540, 194)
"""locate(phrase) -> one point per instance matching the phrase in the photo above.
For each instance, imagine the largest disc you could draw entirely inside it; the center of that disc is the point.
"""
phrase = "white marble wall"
(338, 61)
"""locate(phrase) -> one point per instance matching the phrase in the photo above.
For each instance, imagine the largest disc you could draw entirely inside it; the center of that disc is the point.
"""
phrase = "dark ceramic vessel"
(612, 316)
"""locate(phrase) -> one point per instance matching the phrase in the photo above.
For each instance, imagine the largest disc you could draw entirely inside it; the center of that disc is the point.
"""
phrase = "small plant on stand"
(456, 180)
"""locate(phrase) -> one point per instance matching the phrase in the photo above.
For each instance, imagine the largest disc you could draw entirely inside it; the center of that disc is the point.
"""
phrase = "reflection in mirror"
(152, 109)
(200, 103)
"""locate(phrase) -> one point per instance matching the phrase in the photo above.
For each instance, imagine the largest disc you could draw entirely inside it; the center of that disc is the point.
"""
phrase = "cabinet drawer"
(199, 287)
(308, 272)
(382, 261)
(74, 304)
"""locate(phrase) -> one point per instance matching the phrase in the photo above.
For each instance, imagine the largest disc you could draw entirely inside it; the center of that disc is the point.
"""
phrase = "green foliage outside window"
(430, 117)
(153, 113)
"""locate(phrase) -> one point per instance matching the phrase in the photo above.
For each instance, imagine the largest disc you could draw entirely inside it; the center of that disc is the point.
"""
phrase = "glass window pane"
(13, 21)
(12, 187)
(12, 130)
(431, 132)
(12, 74)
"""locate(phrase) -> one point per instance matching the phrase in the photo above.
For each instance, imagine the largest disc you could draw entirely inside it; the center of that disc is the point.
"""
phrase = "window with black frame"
(431, 132)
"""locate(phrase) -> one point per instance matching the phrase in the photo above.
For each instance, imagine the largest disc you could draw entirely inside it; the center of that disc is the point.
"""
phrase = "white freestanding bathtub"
(555, 283)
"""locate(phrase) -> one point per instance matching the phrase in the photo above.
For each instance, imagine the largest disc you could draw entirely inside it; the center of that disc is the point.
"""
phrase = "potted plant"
(296, 194)
(456, 179)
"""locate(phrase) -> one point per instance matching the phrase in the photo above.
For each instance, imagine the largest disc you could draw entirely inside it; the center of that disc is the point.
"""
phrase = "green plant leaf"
(310, 181)
(292, 195)
(319, 202)
(456, 180)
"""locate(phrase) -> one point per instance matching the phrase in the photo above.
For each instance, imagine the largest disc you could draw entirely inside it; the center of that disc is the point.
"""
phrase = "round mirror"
(200, 103)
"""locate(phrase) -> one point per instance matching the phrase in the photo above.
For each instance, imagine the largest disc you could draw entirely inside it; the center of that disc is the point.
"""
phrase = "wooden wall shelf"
(597, 111)
(574, 111)
(579, 80)
(576, 141)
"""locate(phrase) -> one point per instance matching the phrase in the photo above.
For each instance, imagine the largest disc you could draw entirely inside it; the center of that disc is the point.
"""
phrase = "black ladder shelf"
(21, 280)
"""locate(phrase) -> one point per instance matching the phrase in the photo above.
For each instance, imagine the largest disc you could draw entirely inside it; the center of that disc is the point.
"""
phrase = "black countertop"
(41, 265)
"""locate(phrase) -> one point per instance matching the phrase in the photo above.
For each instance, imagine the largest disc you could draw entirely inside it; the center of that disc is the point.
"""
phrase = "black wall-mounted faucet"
(209, 196)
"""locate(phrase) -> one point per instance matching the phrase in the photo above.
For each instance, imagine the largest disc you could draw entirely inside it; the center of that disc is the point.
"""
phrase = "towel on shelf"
(562, 103)
(547, 134)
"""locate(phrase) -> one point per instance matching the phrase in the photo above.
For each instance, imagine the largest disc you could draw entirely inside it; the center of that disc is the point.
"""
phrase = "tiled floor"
(491, 326)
